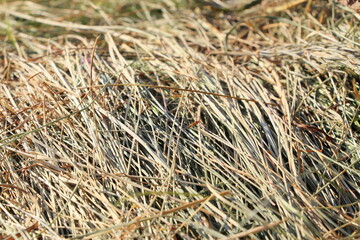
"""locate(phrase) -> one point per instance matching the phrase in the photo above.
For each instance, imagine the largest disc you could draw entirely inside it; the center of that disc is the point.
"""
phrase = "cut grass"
(159, 120)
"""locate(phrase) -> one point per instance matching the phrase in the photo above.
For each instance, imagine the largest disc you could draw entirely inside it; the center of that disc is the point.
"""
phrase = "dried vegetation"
(171, 119)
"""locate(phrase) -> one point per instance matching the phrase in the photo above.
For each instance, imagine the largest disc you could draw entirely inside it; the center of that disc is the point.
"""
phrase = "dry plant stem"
(154, 215)
(255, 230)
(178, 89)
(92, 65)
(284, 5)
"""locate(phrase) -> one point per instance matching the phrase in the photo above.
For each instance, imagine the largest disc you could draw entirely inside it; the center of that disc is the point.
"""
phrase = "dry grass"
(165, 119)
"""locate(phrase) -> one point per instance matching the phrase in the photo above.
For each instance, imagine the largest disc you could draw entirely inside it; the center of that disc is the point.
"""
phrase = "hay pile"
(179, 119)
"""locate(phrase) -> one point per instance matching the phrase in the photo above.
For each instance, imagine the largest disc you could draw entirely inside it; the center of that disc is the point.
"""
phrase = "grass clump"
(158, 120)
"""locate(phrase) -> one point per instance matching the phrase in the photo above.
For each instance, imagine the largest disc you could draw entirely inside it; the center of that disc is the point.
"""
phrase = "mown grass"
(179, 119)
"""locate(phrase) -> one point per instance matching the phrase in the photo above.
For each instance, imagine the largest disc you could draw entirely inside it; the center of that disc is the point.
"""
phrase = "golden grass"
(179, 119)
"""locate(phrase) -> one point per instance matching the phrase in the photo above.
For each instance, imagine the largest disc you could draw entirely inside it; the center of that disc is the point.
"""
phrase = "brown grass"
(171, 119)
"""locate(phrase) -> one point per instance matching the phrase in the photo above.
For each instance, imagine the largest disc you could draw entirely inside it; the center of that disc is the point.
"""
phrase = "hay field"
(176, 119)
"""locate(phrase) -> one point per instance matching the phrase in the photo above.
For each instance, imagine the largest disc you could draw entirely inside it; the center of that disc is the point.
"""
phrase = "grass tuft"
(179, 119)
